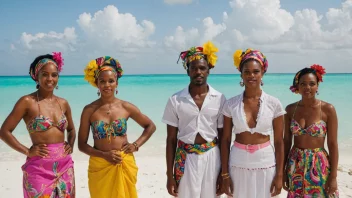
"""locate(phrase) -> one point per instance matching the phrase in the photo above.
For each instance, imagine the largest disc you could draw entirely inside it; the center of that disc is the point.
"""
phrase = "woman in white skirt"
(254, 168)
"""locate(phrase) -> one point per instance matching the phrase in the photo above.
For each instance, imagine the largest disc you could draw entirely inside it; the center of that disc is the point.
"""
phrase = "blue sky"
(292, 33)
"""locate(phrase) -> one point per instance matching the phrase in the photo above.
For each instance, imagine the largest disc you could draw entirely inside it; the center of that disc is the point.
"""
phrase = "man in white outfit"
(194, 124)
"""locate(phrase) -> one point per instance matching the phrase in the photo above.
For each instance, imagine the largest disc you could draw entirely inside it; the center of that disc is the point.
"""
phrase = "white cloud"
(267, 24)
(286, 38)
(172, 2)
(211, 30)
(264, 25)
(224, 16)
(62, 41)
(109, 27)
(182, 38)
(262, 21)
(340, 18)
(105, 32)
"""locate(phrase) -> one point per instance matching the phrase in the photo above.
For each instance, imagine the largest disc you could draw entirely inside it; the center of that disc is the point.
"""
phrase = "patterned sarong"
(308, 171)
(51, 176)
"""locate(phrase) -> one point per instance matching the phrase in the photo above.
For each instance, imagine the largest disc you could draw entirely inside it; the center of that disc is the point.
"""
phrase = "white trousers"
(201, 172)
(252, 173)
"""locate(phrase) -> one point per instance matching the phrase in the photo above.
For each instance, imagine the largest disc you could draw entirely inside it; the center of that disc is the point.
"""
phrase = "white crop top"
(270, 108)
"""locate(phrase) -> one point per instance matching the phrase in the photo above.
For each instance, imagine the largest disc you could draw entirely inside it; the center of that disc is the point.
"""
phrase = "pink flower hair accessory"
(59, 60)
(293, 89)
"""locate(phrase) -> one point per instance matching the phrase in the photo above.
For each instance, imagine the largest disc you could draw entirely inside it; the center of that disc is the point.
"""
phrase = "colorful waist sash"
(181, 153)
(50, 176)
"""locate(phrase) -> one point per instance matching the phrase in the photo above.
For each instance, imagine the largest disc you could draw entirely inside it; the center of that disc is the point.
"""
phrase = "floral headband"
(206, 52)
(57, 60)
(96, 66)
(319, 71)
(240, 56)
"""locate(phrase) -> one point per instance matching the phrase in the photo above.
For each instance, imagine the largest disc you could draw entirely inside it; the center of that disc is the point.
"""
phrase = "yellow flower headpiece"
(94, 67)
(89, 72)
(195, 53)
(239, 56)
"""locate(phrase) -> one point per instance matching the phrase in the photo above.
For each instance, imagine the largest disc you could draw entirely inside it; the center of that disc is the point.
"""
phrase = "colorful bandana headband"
(240, 56)
(319, 71)
(206, 52)
(105, 63)
(57, 60)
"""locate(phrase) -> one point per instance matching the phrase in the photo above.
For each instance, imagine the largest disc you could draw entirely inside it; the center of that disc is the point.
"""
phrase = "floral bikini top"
(101, 129)
(43, 123)
(317, 129)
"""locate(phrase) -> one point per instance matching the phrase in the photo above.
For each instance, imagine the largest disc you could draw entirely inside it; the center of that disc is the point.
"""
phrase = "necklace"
(258, 104)
(108, 112)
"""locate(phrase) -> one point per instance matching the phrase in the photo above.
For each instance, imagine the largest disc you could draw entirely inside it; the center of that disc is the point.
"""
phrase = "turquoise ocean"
(151, 92)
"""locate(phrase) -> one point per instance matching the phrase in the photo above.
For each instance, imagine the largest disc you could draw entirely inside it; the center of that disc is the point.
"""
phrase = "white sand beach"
(151, 176)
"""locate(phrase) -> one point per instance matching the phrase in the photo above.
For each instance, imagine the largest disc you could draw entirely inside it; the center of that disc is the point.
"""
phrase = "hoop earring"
(241, 83)
(37, 86)
(116, 91)
(317, 92)
(261, 83)
(98, 93)
(57, 87)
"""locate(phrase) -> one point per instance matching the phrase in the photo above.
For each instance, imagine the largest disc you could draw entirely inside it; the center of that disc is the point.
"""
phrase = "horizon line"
(71, 75)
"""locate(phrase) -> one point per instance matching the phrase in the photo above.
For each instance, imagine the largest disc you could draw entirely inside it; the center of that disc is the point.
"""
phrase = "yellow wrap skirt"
(107, 180)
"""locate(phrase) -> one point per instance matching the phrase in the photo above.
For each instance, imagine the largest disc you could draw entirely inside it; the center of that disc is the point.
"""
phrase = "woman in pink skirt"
(48, 171)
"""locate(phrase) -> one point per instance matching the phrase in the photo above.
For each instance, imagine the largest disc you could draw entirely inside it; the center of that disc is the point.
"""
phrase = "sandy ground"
(151, 176)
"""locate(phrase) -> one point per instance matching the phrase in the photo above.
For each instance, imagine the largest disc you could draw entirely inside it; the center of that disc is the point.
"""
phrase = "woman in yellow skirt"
(112, 170)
